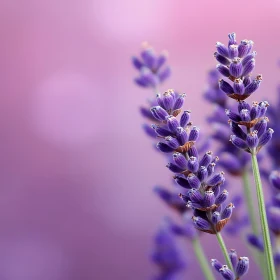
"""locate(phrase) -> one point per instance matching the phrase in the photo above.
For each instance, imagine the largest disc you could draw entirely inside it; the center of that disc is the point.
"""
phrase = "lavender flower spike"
(151, 67)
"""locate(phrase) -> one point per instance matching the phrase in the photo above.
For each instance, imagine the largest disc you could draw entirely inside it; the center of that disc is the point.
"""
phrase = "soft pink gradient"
(76, 169)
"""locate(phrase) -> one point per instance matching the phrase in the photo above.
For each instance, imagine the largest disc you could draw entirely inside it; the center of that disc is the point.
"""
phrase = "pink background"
(76, 169)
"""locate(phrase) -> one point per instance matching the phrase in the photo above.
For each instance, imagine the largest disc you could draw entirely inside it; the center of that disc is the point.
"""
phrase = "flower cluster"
(236, 62)
(240, 266)
(151, 67)
(197, 175)
(249, 126)
(166, 254)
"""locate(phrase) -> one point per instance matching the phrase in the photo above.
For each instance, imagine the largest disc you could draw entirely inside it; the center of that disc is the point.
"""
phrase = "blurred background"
(77, 171)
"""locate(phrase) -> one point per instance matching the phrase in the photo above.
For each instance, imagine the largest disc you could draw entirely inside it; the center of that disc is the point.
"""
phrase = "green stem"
(204, 264)
(224, 250)
(262, 211)
(250, 204)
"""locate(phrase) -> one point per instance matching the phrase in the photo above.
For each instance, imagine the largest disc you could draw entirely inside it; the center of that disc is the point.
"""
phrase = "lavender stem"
(224, 250)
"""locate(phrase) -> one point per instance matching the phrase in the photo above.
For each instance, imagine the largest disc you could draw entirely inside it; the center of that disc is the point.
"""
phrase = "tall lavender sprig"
(249, 124)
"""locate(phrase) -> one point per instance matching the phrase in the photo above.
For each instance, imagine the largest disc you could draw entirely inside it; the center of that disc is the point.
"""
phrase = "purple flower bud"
(209, 199)
(249, 57)
(202, 174)
(227, 273)
(194, 134)
(216, 217)
(141, 81)
(167, 101)
(226, 214)
(217, 179)
(149, 58)
(265, 138)
(159, 113)
(193, 181)
(201, 224)
(232, 39)
(172, 123)
(161, 59)
(225, 87)
(211, 168)
(172, 142)
(184, 198)
(237, 130)
(195, 196)
(163, 147)
(237, 142)
(238, 86)
(236, 68)
(179, 102)
(216, 264)
(164, 74)
(233, 258)
(149, 77)
(245, 115)
(137, 63)
(242, 266)
(249, 67)
(180, 160)
(161, 131)
(222, 197)
(275, 179)
(255, 111)
(182, 181)
(255, 241)
(223, 70)
(243, 105)
(221, 59)
(253, 86)
(252, 139)
(193, 164)
(206, 159)
(233, 51)
(174, 168)
(185, 117)
(263, 108)
(247, 80)
(243, 48)
(192, 152)
(232, 116)
(222, 49)
(181, 135)
(149, 131)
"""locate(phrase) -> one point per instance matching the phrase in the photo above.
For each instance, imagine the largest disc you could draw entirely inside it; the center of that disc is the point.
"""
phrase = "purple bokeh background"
(76, 169)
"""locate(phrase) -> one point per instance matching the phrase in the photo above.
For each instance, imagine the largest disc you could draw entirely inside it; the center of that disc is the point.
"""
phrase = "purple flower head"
(249, 126)
(236, 63)
(152, 67)
(239, 264)
(166, 254)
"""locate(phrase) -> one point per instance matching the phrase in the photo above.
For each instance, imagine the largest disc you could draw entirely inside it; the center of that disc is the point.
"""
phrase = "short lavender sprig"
(249, 124)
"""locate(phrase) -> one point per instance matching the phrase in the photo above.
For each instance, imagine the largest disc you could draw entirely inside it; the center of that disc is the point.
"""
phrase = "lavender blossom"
(152, 68)
(166, 254)
(236, 63)
(240, 266)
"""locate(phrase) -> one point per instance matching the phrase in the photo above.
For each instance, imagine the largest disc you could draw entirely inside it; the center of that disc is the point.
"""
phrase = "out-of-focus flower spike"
(164, 74)
(275, 179)
(255, 241)
(137, 63)
(162, 59)
(149, 131)
(149, 58)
